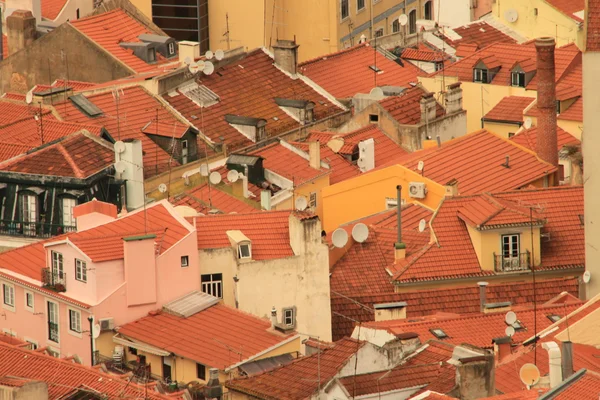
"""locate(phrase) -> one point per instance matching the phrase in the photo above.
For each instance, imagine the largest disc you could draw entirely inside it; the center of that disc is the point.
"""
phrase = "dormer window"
(151, 55)
(480, 75)
(244, 251)
(171, 49)
(518, 79)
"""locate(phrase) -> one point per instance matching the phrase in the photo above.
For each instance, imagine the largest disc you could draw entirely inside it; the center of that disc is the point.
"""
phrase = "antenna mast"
(227, 31)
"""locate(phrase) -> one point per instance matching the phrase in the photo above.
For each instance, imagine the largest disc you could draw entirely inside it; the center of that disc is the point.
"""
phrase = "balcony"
(56, 281)
(53, 332)
(512, 264)
(33, 229)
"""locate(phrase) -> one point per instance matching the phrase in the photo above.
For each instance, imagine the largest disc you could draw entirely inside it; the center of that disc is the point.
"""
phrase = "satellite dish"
(233, 176)
(420, 165)
(510, 317)
(403, 19)
(204, 170)
(301, 203)
(209, 55)
(186, 211)
(96, 331)
(193, 67)
(29, 97)
(187, 60)
(422, 225)
(360, 232)
(119, 147)
(339, 238)
(587, 276)
(162, 188)
(529, 374)
(376, 92)
(527, 123)
(215, 178)
(201, 64)
(120, 166)
(209, 68)
(511, 15)
(219, 54)
(509, 331)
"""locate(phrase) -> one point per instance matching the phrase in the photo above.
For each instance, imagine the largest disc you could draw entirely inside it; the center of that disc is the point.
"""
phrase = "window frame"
(364, 5)
(201, 367)
(56, 263)
(185, 261)
(215, 281)
(373, 118)
(63, 200)
(171, 48)
(511, 245)
(439, 333)
(379, 32)
(80, 270)
(244, 257)
(312, 200)
(284, 318)
(8, 288)
(412, 22)
(344, 4)
(428, 6)
(49, 320)
(520, 77)
(27, 306)
(71, 312)
(396, 25)
(478, 75)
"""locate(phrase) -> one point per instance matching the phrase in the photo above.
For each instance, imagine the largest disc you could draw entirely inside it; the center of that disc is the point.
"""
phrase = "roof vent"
(85, 105)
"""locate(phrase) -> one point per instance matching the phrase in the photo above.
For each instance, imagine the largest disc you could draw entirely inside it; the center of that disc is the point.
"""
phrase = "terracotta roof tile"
(51, 8)
(12, 340)
(423, 53)
(208, 336)
(509, 109)
(585, 388)
(247, 88)
(12, 111)
(522, 395)
(574, 112)
(80, 155)
(465, 49)
(205, 198)
(406, 108)
(528, 138)
(478, 33)
(569, 7)
(299, 379)
(348, 72)
(63, 376)
(341, 169)
(592, 26)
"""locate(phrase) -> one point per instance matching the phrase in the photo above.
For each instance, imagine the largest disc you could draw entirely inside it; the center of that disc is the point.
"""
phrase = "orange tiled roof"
(11, 111)
(208, 336)
(569, 7)
(592, 26)
(205, 198)
(268, 231)
(248, 88)
(509, 109)
(487, 212)
(347, 72)
(12, 340)
(63, 377)
(424, 53)
(51, 8)
(114, 27)
(528, 138)
(406, 108)
(479, 34)
(585, 388)
(341, 169)
(79, 155)
(299, 379)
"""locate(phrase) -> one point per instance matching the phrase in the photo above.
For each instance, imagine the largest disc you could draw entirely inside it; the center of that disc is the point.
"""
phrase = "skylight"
(554, 317)
(518, 326)
(85, 105)
(374, 68)
(438, 333)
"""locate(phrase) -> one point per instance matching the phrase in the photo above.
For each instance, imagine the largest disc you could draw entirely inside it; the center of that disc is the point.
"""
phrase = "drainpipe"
(399, 247)
(91, 321)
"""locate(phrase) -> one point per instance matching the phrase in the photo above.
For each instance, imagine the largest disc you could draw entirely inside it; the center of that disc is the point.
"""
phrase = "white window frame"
(27, 307)
(511, 245)
(80, 270)
(515, 82)
(212, 285)
(185, 261)
(8, 288)
(292, 315)
(68, 204)
(77, 321)
(478, 75)
(359, 9)
(56, 321)
(58, 264)
(171, 48)
(249, 255)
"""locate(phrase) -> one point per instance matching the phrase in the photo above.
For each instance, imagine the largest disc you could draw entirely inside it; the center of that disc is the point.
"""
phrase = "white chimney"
(245, 183)
(188, 49)
(129, 164)
(273, 317)
(265, 200)
(314, 152)
(366, 155)
(554, 359)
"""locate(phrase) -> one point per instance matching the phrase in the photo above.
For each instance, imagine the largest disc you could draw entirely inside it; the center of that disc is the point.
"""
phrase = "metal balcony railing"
(54, 280)
(522, 262)
(53, 332)
(33, 229)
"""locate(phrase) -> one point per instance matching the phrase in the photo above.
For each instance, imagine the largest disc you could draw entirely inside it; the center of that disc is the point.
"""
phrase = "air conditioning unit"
(107, 324)
(417, 190)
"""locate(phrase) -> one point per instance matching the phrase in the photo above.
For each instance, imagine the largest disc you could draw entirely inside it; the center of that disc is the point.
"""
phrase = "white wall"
(452, 13)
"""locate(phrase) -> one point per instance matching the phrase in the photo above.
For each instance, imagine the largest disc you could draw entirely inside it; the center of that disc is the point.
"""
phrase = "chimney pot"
(428, 107)
(546, 145)
(454, 98)
(285, 53)
(567, 354)
(273, 317)
(20, 29)
(482, 295)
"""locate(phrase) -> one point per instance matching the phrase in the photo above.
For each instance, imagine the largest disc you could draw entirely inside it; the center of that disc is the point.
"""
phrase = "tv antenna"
(219, 55)
(209, 68)
(529, 374)
(209, 55)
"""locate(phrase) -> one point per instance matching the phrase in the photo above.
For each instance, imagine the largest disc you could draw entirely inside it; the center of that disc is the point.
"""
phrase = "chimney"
(546, 146)
(314, 152)
(20, 29)
(454, 98)
(451, 188)
(502, 348)
(428, 104)
(129, 163)
(366, 155)
(245, 191)
(94, 213)
(265, 200)
(273, 317)
(554, 360)
(286, 55)
(567, 362)
(399, 247)
(390, 311)
(213, 389)
(189, 50)
(482, 299)
(475, 377)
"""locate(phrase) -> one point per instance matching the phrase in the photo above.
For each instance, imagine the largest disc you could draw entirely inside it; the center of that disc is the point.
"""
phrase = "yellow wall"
(366, 194)
(573, 127)
(145, 6)
(547, 22)
(584, 331)
(246, 23)
(500, 128)
(315, 186)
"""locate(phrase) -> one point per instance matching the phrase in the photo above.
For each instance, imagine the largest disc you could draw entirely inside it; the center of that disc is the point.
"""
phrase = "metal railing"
(522, 262)
(54, 280)
(53, 331)
(33, 229)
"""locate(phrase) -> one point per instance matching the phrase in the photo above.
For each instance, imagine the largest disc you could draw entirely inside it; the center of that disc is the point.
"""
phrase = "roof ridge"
(334, 54)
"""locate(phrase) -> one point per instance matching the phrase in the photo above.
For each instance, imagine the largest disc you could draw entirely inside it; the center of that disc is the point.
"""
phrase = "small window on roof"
(373, 118)
(244, 251)
(185, 261)
(518, 326)
(375, 68)
(438, 333)
(480, 75)
(554, 317)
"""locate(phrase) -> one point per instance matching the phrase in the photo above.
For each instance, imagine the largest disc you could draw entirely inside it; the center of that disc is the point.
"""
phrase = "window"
(480, 75)
(75, 321)
(510, 246)
(132, 350)
(57, 266)
(396, 26)
(29, 301)
(184, 144)
(244, 251)
(171, 49)
(379, 32)
(289, 317)
(201, 371)
(511, 134)
(518, 326)
(80, 270)
(554, 317)
(77, 13)
(344, 9)
(312, 201)
(373, 118)
(427, 11)
(518, 79)
(28, 208)
(557, 106)
(8, 292)
(33, 345)
(212, 284)
(68, 204)
(185, 261)
(438, 333)
(412, 21)
(360, 4)
(52, 316)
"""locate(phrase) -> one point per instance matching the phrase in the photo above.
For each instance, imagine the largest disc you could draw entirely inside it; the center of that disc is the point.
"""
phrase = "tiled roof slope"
(480, 34)
(431, 351)
(80, 155)
(136, 108)
(208, 336)
(568, 7)
(528, 138)
(114, 27)
(341, 169)
(348, 72)
(406, 107)
(62, 377)
(585, 388)
(204, 199)
(592, 26)
(248, 88)
(509, 109)
(11, 111)
(299, 379)
(268, 231)
(51, 8)
(574, 112)
(483, 154)
(102, 243)
(463, 299)
(424, 53)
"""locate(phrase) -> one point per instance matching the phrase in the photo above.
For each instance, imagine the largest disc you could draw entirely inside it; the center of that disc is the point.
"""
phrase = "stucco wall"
(69, 11)
(500, 128)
